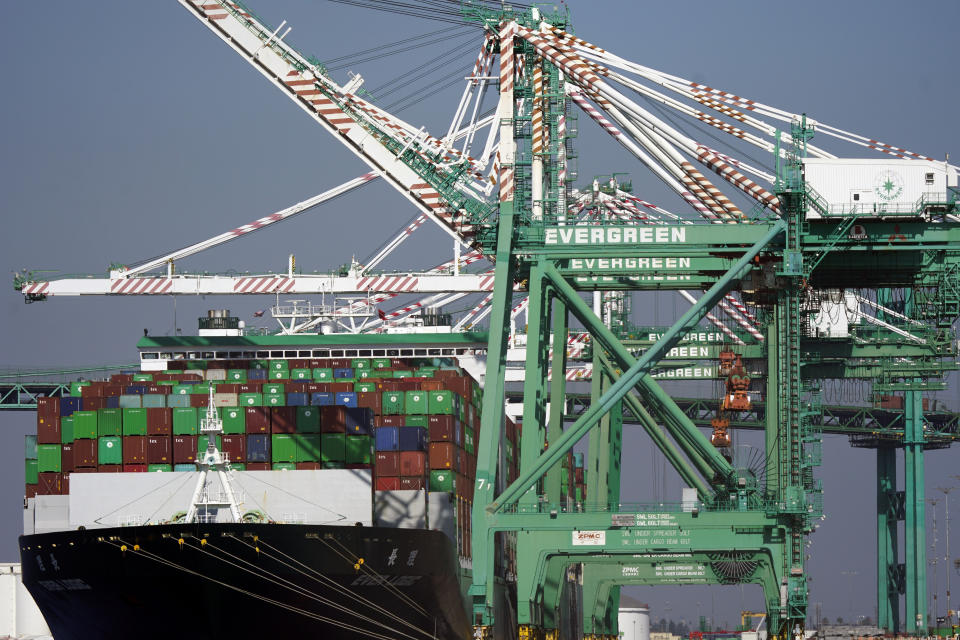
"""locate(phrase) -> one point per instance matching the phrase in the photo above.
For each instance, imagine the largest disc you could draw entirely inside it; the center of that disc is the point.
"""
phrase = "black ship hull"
(204, 581)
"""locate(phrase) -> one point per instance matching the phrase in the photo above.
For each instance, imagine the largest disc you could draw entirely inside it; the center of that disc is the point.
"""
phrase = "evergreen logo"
(889, 186)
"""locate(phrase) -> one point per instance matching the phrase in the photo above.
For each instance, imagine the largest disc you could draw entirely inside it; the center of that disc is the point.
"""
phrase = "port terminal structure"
(776, 262)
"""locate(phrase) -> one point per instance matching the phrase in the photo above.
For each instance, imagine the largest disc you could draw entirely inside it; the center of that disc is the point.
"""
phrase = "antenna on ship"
(204, 506)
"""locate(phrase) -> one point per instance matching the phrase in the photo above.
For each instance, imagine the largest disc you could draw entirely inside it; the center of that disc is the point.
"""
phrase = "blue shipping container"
(321, 398)
(346, 398)
(257, 374)
(359, 421)
(346, 372)
(113, 402)
(413, 439)
(258, 445)
(135, 390)
(69, 404)
(388, 438)
(296, 399)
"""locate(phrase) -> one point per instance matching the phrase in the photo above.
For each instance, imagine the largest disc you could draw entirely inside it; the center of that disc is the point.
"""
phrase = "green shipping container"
(284, 447)
(109, 450)
(279, 365)
(360, 363)
(84, 425)
(193, 365)
(440, 402)
(359, 450)
(364, 374)
(416, 402)
(48, 458)
(202, 389)
(284, 466)
(334, 465)
(182, 389)
(380, 363)
(143, 377)
(301, 374)
(333, 447)
(365, 387)
(274, 399)
(185, 421)
(309, 447)
(250, 399)
(31, 471)
(110, 422)
(66, 430)
(279, 374)
(402, 373)
(442, 480)
(167, 383)
(259, 364)
(322, 374)
(159, 467)
(202, 445)
(238, 466)
(75, 386)
(416, 421)
(469, 441)
(273, 387)
(134, 422)
(308, 419)
(393, 402)
(237, 375)
(234, 420)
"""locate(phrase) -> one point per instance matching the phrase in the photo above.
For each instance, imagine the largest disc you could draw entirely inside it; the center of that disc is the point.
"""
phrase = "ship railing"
(683, 506)
(130, 520)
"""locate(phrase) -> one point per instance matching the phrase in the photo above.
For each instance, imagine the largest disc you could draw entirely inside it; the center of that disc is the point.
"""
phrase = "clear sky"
(129, 129)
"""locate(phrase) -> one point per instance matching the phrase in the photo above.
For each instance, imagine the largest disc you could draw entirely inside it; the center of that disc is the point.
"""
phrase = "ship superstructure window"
(221, 355)
(350, 353)
(303, 354)
(856, 197)
(928, 178)
(236, 354)
(433, 352)
(147, 355)
(393, 352)
(289, 354)
(208, 355)
(364, 353)
(379, 352)
(448, 352)
(336, 353)
(321, 353)
(166, 356)
(406, 352)
(263, 354)
(276, 354)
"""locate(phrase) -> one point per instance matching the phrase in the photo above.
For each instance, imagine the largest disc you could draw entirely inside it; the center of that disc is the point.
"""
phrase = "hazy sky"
(129, 130)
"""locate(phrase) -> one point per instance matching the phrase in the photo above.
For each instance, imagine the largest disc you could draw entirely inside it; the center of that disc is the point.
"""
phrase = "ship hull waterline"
(204, 581)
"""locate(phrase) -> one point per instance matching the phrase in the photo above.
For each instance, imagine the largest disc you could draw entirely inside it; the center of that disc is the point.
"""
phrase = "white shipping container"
(876, 186)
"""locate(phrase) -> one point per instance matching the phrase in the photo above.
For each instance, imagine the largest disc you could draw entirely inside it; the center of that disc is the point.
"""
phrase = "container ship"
(352, 458)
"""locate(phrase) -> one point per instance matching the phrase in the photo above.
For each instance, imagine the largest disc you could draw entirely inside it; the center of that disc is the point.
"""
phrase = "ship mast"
(212, 460)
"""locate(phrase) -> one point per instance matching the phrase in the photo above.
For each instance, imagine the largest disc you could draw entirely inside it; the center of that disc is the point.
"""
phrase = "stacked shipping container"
(410, 421)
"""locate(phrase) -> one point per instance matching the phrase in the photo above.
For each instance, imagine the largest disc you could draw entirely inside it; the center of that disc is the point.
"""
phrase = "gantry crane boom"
(439, 181)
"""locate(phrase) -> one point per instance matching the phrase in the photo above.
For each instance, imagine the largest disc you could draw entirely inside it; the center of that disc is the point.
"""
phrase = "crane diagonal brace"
(635, 373)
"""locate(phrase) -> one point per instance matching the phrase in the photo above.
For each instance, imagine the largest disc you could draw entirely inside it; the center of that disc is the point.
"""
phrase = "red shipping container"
(158, 389)
(30, 491)
(135, 468)
(431, 385)
(442, 428)
(158, 450)
(113, 390)
(110, 468)
(258, 466)
(92, 469)
(392, 421)
(358, 465)
(339, 363)
(389, 385)
(49, 484)
(94, 403)
(309, 466)
(229, 388)
(184, 449)
(66, 458)
(159, 421)
(313, 387)
(199, 399)
(65, 484)
(296, 387)
(249, 387)
(387, 483)
(333, 419)
(443, 455)
(48, 429)
(48, 406)
(134, 450)
(283, 419)
(94, 390)
(412, 483)
(370, 400)
(339, 386)
(84, 453)
(121, 378)
(387, 463)
(258, 419)
(413, 463)
(299, 363)
(235, 447)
